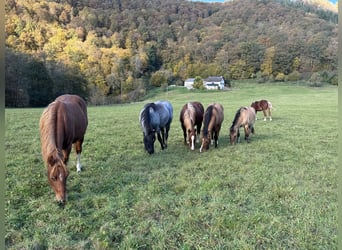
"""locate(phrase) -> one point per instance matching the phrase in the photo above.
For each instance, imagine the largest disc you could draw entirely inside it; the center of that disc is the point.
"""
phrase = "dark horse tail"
(236, 118)
(207, 119)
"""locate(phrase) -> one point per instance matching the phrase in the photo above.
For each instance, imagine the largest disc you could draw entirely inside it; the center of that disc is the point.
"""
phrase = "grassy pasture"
(278, 192)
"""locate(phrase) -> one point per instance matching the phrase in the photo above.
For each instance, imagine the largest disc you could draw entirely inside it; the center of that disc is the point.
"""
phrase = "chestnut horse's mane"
(48, 132)
(207, 120)
(189, 113)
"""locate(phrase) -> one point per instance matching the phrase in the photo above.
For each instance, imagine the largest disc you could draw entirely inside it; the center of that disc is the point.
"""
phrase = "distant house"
(214, 82)
(189, 83)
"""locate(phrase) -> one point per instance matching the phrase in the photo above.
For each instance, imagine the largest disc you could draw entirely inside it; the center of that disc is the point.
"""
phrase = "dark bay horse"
(244, 117)
(212, 121)
(264, 106)
(156, 118)
(191, 118)
(62, 124)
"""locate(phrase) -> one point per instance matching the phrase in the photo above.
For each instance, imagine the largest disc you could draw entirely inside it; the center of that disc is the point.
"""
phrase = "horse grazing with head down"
(244, 117)
(191, 118)
(62, 124)
(212, 121)
(264, 106)
(156, 118)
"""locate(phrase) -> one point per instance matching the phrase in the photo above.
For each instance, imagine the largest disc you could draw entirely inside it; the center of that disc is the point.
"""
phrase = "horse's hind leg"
(269, 114)
(78, 147)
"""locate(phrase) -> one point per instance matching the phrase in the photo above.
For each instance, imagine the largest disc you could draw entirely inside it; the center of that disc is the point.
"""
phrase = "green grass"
(278, 192)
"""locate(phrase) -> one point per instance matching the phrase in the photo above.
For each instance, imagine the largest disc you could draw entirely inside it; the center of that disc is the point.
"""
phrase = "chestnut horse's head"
(234, 135)
(57, 176)
(205, 142)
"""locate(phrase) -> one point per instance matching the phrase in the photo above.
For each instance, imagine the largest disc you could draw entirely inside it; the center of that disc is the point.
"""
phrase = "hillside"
(115, 50)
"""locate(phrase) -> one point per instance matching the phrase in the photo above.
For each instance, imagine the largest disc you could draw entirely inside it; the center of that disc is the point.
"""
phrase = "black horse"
(156, 118)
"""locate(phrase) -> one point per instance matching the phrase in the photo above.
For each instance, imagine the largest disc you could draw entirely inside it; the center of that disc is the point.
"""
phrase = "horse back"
(165, 112)
(218, 108)
(71, 119)
(199, 110)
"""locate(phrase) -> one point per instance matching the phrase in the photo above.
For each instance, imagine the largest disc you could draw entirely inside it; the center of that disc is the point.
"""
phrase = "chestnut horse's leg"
(216, 135)
(66, 153)
(246, 127)
(198, 131)
(269, 114)
(78, 147)
(185, 134)
(265, 115)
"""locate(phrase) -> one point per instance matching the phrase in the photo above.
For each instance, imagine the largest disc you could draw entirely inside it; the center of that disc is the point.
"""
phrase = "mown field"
(277, 192)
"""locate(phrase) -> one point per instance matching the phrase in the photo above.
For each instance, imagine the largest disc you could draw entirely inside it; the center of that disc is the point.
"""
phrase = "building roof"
(213, 79)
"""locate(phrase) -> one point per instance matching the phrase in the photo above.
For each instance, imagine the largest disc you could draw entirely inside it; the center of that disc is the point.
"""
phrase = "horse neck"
(209, 121)
(237, 120)
(188, 119)
(145, 120)
(48, 131)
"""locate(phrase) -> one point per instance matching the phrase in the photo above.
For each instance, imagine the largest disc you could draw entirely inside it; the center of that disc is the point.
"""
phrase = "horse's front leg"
(212, 137)
(269, 114)
(66, 153)
(238, 136)
(198, 131)
(265, 115)
(78, 148)
(186, 140)
(216, 138)
(160, 139)
(246, 127)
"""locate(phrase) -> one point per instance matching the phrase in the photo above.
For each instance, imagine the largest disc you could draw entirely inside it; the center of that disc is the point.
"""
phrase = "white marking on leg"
(264, 118)
(192, 142)
(270, 118)
(78, 165)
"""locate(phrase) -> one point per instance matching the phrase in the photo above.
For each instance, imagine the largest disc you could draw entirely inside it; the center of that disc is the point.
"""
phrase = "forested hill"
(114, 50)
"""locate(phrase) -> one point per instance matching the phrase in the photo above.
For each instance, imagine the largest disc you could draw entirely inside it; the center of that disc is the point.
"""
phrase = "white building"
(189, 83)
(214, 82)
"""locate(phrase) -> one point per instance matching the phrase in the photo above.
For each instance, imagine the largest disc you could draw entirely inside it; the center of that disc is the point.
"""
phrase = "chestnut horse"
(264, 106)
(62, 124)
(212, 121)
(244, 117)
(156, 118)
(191, 118)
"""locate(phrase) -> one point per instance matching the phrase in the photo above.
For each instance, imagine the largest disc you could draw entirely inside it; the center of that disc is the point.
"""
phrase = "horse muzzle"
(61, 203)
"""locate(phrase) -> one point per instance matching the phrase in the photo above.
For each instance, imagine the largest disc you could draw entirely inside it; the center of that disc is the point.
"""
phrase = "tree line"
(111, 51)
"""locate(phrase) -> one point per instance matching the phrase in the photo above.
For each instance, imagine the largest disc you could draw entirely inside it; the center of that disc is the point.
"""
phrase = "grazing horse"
(62, 124)
(264, 106)
(244, 117)
(191, 118)
(212, 121)
(155, 118)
